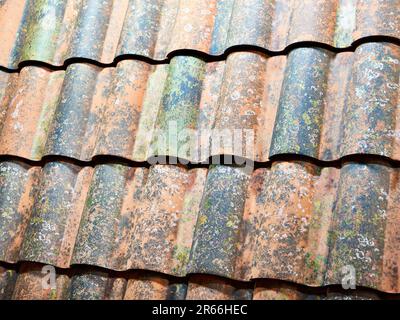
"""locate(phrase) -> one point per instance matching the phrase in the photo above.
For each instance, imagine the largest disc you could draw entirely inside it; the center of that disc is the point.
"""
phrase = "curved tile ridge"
(43, 207)
(295, 221)
(311, 102)
(277, 290)
(52, 31)
(88, 283)
(304, 224)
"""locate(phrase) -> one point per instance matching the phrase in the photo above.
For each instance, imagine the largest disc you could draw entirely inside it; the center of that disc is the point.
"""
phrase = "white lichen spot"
(18, 126)
(15, 113)
(188, 28)
(235, 95)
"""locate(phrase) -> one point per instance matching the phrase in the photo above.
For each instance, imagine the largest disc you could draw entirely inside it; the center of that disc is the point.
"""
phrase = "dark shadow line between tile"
(202, 55)
(78, 269)
(241, 162)
(10, 266)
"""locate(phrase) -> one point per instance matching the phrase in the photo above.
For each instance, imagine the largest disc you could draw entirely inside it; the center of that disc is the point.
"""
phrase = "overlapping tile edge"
(192, 110)
(379, 127)
(295, 221)
(103, 30)
(84, 282)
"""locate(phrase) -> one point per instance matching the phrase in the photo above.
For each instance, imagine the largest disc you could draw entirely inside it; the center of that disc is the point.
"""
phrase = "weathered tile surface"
(88, 283)
(315, 79)
(206, 287)
(294, 221)
(112, 216)
(311, 102)
(53, 31)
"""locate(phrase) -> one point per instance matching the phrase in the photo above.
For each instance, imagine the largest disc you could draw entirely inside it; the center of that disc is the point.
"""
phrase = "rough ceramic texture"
(53, 31)
(29, 284)
(206, 287)
(311, 102)
(295, 221)
(109, 216)
(278, 290)
(8, 277)
(86, 283)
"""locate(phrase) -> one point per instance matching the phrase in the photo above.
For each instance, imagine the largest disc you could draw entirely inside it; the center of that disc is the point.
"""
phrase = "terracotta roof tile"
(347, 105)
(55, 201)
(8, 277)
(104, 30)
(294, 221)
(92, 93)
(206, 287)
(88, 283)
(29, 284)
(301, 223)
(278, 290)
(150, 287)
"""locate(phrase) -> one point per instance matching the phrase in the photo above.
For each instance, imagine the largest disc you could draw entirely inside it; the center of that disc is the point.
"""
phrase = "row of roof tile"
(52, 31)
(311, 102)
(83, 282)
(294, 221)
